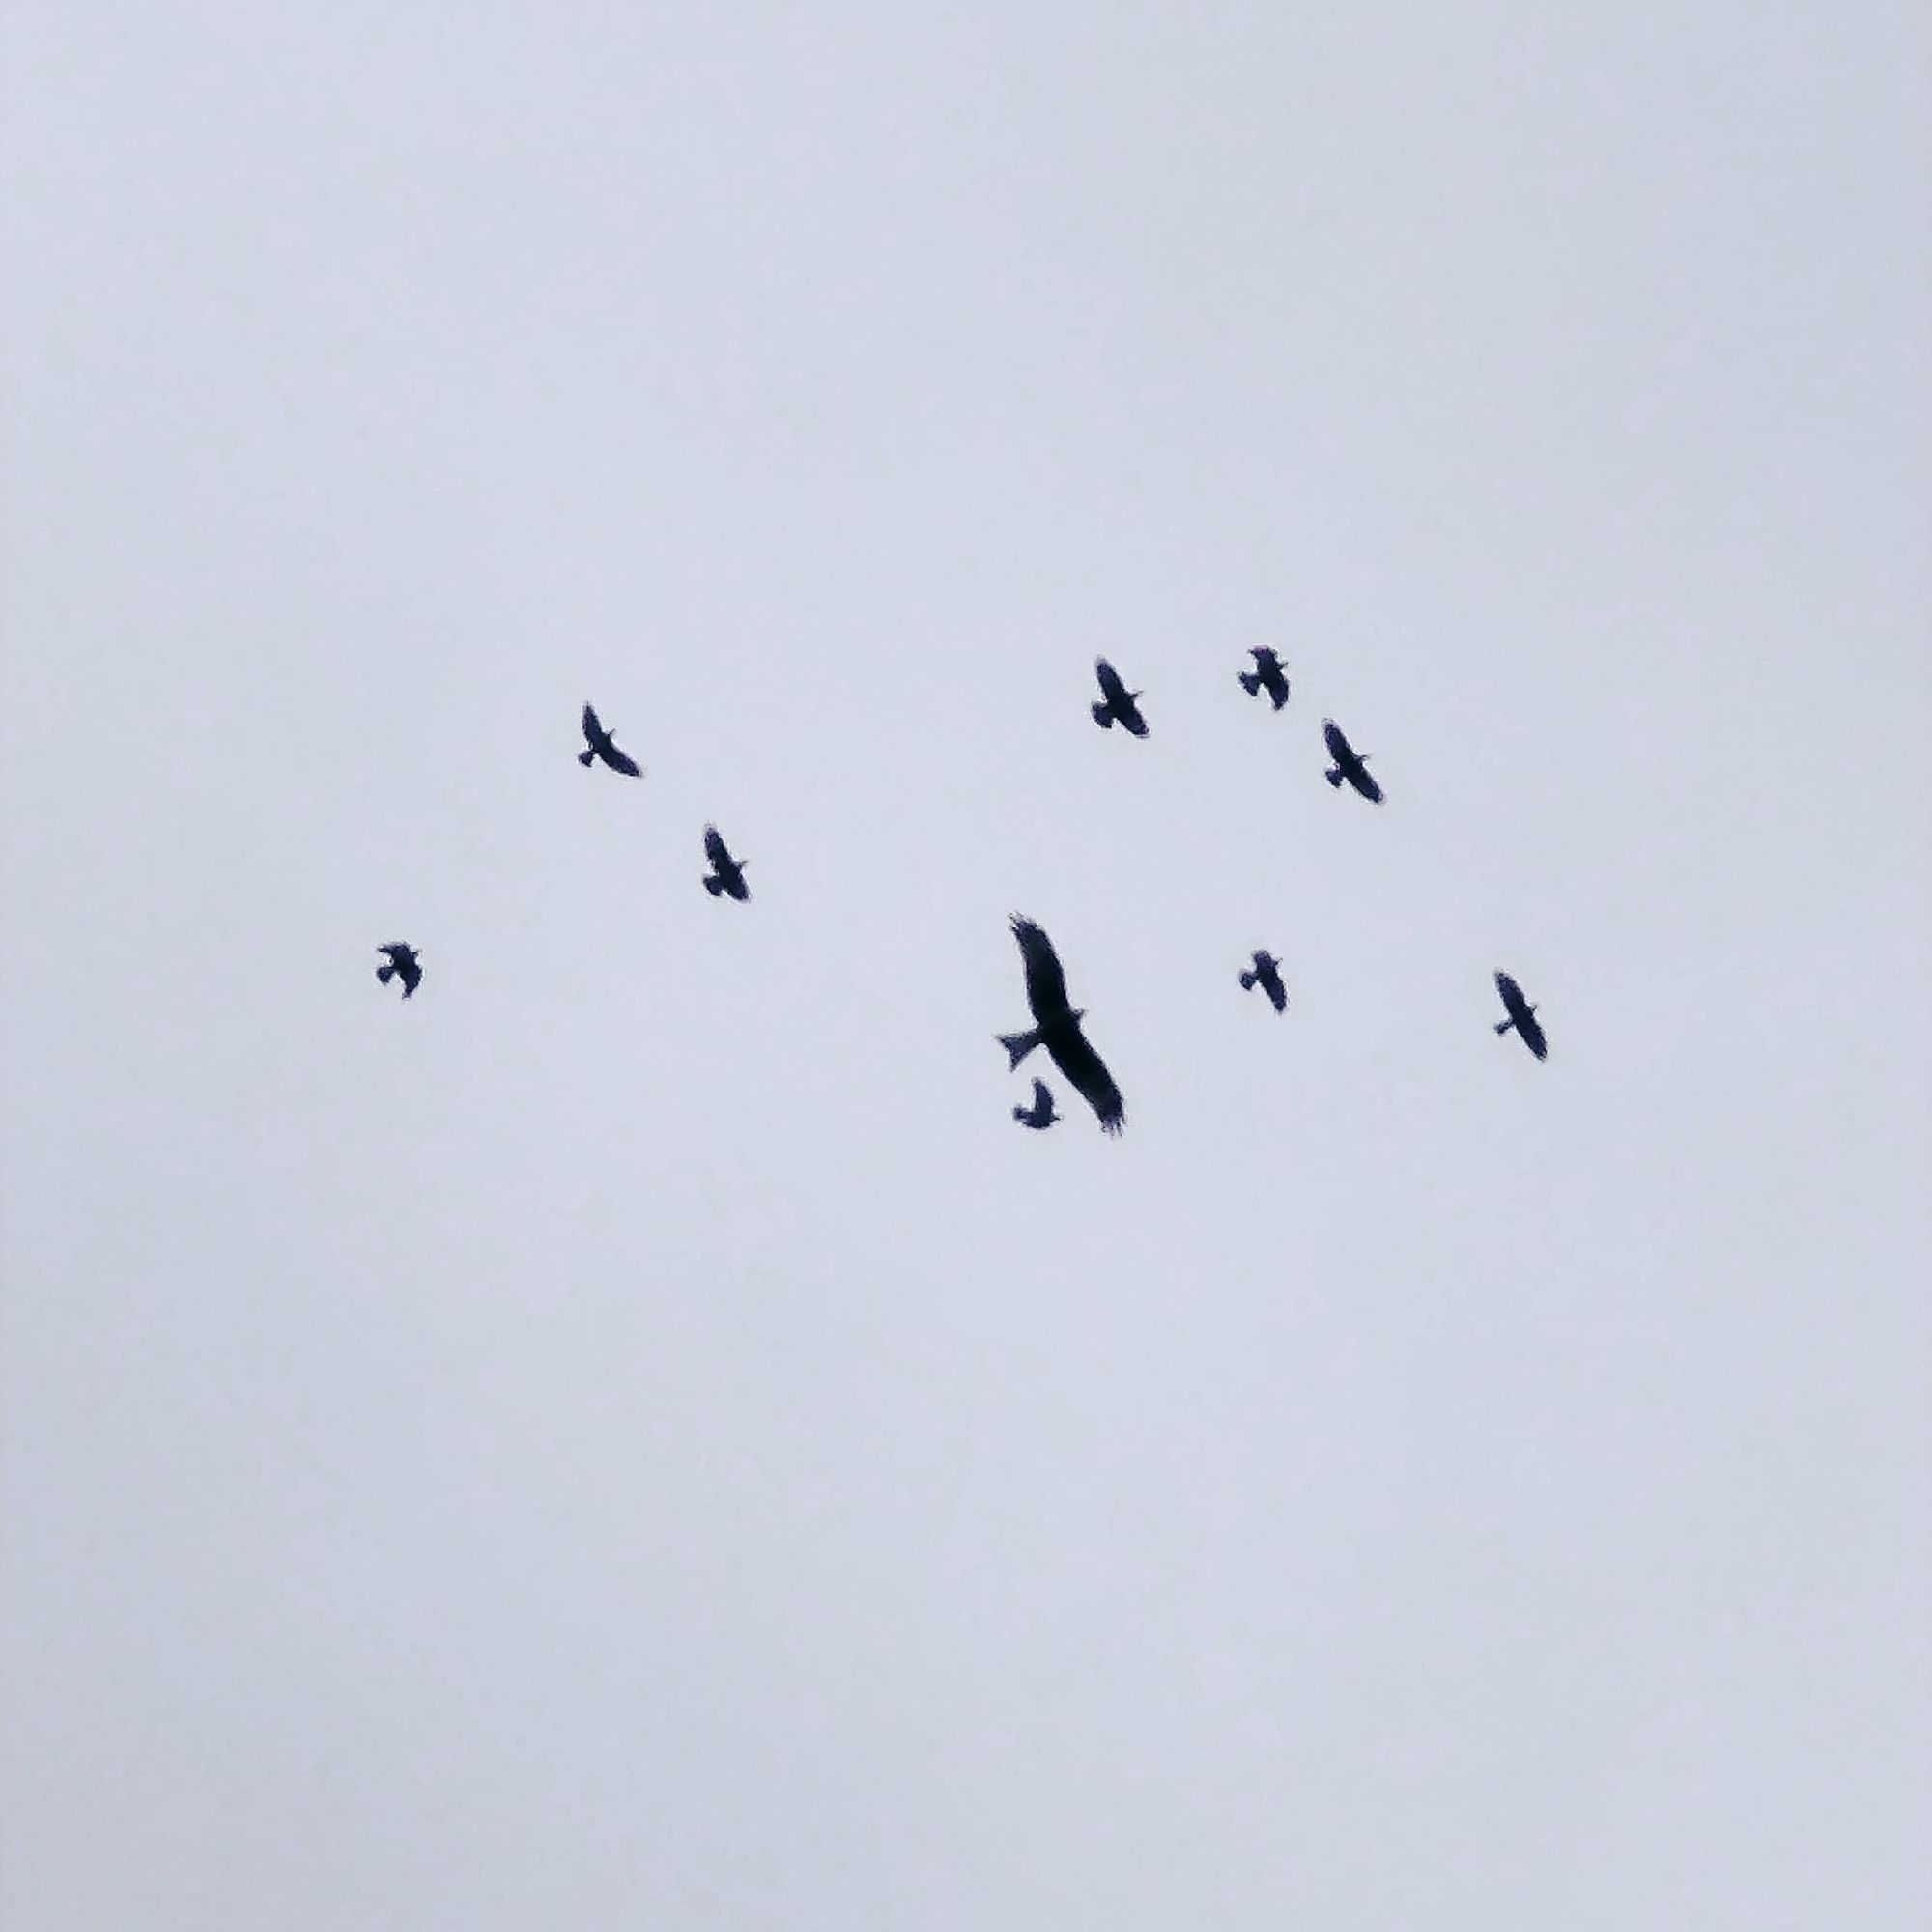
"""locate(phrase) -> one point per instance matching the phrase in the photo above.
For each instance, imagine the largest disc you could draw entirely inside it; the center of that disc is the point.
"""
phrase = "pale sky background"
(637, 1435)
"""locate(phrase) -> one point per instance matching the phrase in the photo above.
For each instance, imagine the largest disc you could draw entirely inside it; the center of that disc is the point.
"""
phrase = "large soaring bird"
(1350, 763)
(1268, 677)
(1041, 1114)
(1266, 975)
(1521, 1016)
(400, 962)
(726, 874)
(603, 746)
(1117, 704)
(1057, 1028)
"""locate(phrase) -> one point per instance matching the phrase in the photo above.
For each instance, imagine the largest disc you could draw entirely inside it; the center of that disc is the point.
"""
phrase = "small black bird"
(1041, 1114)
(1350, 763)
(1521, 1016)
(1057, 1028)
(603, 746)
(728, 874)
(1266, 975)
(1268, 677)
(400, 963)
(1117, 705)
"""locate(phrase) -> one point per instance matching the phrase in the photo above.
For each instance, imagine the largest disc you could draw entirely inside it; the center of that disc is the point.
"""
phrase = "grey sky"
(637, 1435)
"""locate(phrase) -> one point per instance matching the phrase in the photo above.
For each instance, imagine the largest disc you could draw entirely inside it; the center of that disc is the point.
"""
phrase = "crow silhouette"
(1057, 1028)
(400, 962)
(1266, 975)
(1041, 1114)
(726, 874)
(1268, 677)
(603, 746)
(1521, 1016)
(1350, 763)
(1117, 705)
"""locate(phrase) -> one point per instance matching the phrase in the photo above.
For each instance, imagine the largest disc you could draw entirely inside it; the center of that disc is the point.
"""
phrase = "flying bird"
(1266, 975)
(1521, 1016)
(1350, 763)
(400, 962)
(726, 874)
(1057, 1028)
(1117, 705)
(1268, 677)
(603, 746)
(1041, 1114)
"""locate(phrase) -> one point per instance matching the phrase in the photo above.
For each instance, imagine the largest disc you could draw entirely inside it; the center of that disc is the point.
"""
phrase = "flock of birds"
(1056, 1020)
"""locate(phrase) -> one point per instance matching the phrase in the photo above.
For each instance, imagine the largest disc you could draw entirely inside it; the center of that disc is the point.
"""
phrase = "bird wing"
(593, 729)
(1338, 746)
(1369, 788)
(1531, 1031)
(1511, 992)
(715, 849)
(620, 761)
(1074, 1055)
(1045, 981)
(1111, 687)
(1042, 1098)
(408, 973)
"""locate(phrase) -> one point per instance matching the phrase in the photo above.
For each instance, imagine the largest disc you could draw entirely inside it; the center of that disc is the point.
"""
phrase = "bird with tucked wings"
(400, 962)
(1057, 1028)
(1041, 1115)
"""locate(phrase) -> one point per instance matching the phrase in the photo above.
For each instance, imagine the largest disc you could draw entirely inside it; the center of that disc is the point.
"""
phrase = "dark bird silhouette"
(1521, 1016)
(726, 874)
(1041, 1114)
(603, 746)
(1268, 677)
(1057, 1028)
(1350, 763)
(400, 962)
(1117, 705)
(1266, 975)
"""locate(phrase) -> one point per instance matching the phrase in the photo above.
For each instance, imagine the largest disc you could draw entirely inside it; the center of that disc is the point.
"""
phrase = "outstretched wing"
(1531, 1031)
(1111, 687)
(715, 849)
(620, 761)
(1365, 784)
(409, 973)
(1512, 993)
(1339, 748)
(1045, 983)
(593, 728)
(1042, 1099)
(1074, 1055)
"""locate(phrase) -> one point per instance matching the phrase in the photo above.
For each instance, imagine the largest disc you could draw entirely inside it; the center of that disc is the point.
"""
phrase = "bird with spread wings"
(1057, 1028)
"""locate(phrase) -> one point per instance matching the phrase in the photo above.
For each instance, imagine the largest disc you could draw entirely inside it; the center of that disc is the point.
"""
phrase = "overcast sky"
(637, 1436)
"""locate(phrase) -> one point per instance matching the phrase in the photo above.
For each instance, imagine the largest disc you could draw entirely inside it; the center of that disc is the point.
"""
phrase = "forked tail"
(1018, 1045)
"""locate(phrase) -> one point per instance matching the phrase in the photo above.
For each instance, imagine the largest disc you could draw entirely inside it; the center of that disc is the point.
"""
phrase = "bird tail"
(1018, 1045)
(1103, 716)
(1020, 1113)
(1248, 982)
(385, 973)
(1334, 776)
(586, 758)
(1251, 682)
(714, 885)
(1504, 1026)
